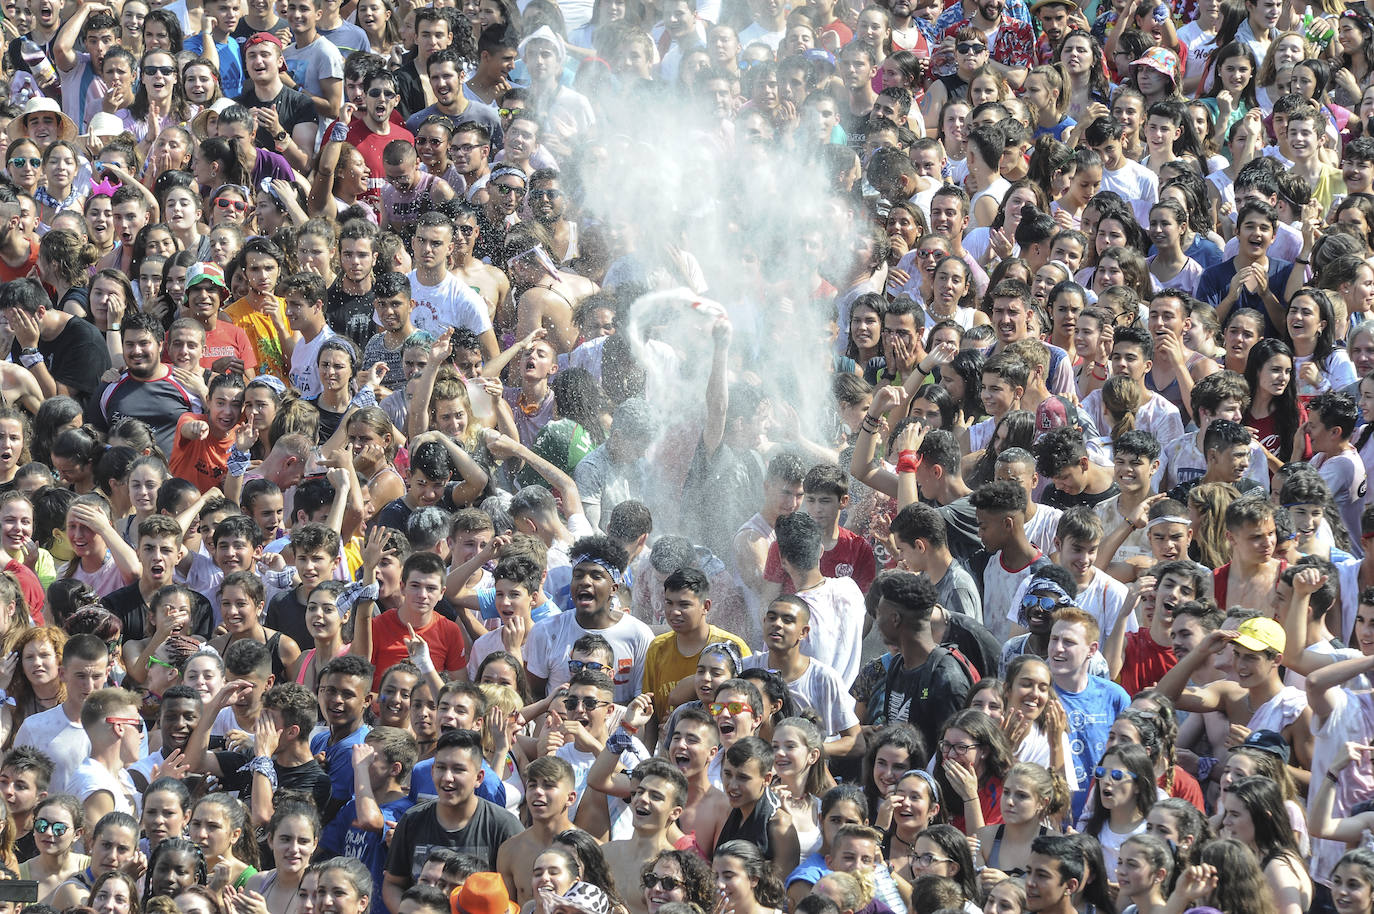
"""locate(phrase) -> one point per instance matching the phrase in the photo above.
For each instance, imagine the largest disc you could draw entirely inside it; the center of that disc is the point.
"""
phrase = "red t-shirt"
(852, 557)
(370, 144)
(8, 273)
(202, 462)
(1187, 788)
(447, 647)
(226, 339)
(1145, 662)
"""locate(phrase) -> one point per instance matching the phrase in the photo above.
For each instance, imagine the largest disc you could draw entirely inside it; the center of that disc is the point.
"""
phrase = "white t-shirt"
(1345, 477)
(1104, 597)
(305, 376)
(550, 646)
(1200, 45)
(837, 625)
(581, 762)
(61, 738)
(311, 65)
(91, 777)
(1181, 461)
(1136, 184)
(1041, 528)
(820, 689)
(1000, 584)
(449, 304)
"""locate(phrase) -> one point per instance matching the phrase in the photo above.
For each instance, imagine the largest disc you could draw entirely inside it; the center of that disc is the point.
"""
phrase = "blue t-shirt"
(338, 759)
(422, 784)
(230, 62)
(1090, 714)
(341, 838)
(810, 870)
(1216, 282)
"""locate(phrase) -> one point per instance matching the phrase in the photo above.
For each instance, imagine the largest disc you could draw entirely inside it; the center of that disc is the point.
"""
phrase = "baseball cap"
(1268, 741)
(261, 37)
(1261, 635)
(205, 272)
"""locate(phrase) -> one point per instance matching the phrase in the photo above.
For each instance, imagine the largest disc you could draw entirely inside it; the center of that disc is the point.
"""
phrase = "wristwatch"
(281, 137)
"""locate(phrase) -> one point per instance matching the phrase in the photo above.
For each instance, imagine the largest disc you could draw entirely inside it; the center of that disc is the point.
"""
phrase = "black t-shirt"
(26, 848)
(160, 403)
(961, 527)
(351, 315)
(1054, 498)
(309, 778)
(926, 696)
(286, 614)
(293, 108)
(246, 31)
(76, 357)
(419, 830)
(329, 421)
(973, 641)
(408, 84)
(396, 514)
(132, 610)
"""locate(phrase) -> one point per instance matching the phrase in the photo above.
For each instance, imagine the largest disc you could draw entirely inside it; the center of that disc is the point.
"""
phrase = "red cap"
(260, 37)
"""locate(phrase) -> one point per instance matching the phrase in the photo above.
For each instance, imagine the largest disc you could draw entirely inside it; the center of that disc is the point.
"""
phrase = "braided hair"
(171, 846)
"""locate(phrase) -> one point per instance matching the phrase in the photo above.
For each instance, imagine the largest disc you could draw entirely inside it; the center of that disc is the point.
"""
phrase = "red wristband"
(908, 462)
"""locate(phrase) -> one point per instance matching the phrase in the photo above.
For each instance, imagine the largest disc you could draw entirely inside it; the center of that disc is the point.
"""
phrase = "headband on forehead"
(1167, 519)
(727, 649)
(928, 778)
(615, 573)
(272, 383)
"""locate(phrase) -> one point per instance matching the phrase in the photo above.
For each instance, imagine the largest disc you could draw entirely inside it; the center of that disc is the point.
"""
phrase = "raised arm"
(504, 447)
(717, 387)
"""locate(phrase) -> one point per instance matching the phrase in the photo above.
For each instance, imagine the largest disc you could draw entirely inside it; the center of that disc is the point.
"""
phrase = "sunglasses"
(20, 162)
(574, 666)
(734, 707)
(1116, 773)
(43, 826)
(468, 147)
(551, 193)
(467, 231)
(509, 112)
(225, 203)
(382, 93)
(588, 702)
(159, 71)
(968, 47)
(132, 721)
(1030, 603)
(429, 141)
(153, 661)
(508, 189)
(652, 881)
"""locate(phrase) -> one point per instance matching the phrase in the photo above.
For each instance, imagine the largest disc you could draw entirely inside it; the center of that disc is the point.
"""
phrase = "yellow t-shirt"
(262, 335)
(665, 666)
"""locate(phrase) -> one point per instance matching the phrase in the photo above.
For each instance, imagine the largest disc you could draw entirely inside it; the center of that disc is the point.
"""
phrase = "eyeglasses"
(1116, 773)
(508, 189)
(577, 666)
(387, 94)
(509, 112)
(550, 192)
(946, 747)
(652, 880)
(238, 206)
(133, 721)
(969, 47)
(467, 231)
(58, 829)
(153, 661)
(588, 702)
(930, 859)
(20, 162)
(734, 707)
(159, 71)
(468, 147)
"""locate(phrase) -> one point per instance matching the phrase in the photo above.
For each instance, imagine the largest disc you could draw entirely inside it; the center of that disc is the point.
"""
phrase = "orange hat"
(483, 893)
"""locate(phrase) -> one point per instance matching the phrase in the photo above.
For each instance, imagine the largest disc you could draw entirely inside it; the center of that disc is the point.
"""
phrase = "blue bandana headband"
(616, 574)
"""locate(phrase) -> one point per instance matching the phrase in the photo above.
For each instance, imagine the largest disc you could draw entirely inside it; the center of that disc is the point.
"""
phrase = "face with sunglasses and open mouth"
(54, 833)
(585, 709)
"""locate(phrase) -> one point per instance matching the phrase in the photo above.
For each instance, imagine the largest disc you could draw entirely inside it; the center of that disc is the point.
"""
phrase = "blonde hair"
(1003, 90)
(1054, 80)
(498, 696)
(855, 889)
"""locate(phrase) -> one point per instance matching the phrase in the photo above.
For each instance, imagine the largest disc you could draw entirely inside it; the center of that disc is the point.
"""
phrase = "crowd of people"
(687, 457)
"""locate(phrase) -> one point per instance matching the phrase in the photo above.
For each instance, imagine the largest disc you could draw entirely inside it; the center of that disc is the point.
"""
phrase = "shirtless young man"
(659, 797)
(549, 794)
(548, 296)
(484, 279)
(1251, 575)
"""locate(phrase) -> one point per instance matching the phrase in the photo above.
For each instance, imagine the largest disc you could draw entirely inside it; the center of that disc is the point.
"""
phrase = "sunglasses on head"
(58, 829)
(159, 71)
(225, 203)
(21, 161)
